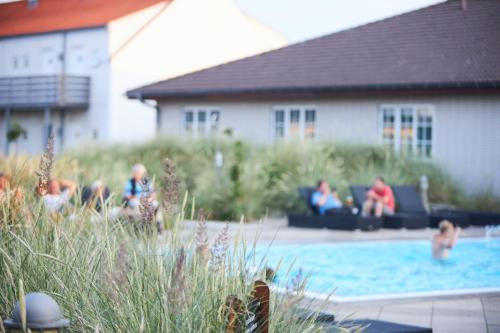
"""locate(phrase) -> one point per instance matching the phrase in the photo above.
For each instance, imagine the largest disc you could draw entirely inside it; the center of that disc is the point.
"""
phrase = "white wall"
(86, 55)
(186, 36)
(466, 128)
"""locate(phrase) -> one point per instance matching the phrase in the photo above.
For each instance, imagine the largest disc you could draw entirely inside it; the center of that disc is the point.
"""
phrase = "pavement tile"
(424, 321)
(493, 328)
(492, 317)
(461, 303)
(457, 312)
(421, 308)
(461, 329)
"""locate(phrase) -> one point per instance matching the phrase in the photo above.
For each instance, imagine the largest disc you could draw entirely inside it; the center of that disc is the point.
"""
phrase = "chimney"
(32, 3)
(464, 4)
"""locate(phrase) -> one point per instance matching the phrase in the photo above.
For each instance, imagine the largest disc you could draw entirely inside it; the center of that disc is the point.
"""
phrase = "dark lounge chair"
(480, 218)
(399, 220)
(341, 219)
(410, 201)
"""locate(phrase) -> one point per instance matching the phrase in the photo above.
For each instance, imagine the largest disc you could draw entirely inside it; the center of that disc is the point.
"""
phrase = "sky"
(299, 20)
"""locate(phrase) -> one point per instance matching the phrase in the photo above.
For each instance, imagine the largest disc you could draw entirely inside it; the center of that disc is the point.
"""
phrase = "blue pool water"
(389, 267)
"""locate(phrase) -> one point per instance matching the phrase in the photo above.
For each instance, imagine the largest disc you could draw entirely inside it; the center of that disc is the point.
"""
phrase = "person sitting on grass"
(96, 195)
(12, 195)
(325, 200)
(380, 199)
(444, 240)
(58, 195)
(138, 186)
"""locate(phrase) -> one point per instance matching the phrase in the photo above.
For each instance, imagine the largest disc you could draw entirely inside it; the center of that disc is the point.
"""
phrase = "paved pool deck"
(474, 313)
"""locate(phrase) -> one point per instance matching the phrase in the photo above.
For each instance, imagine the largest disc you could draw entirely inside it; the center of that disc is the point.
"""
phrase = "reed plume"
(219, 249)
(171, 188)
(146, 207)
(201, 238)
(45, 168)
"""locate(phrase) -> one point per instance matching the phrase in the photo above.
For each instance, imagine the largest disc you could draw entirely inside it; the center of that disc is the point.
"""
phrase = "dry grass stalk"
(219, 249)
(45, 168)
(177, 291)
(116, 275)
(171, 189)
(201, 238)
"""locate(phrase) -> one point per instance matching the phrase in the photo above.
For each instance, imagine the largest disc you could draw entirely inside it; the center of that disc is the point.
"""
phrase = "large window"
(294, 122)
(201, 121)
(407, 128)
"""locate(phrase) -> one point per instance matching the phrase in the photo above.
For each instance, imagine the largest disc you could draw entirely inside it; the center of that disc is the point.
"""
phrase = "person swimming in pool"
(444, 240)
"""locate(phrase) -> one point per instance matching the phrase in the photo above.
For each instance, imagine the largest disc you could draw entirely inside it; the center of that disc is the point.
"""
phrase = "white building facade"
(71, 82)
(461, 133)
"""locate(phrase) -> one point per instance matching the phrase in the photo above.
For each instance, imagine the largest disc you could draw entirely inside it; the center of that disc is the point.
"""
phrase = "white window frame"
(397, 125)
(286, 121)
(208, 121)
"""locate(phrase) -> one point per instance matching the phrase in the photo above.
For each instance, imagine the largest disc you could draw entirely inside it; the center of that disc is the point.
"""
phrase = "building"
(425, 83)
(65, 65)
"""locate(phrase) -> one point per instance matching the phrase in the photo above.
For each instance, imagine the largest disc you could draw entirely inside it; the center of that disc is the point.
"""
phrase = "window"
(214, 121)
(407, 129)
(295, 122)
(279, 121)
(310, 125)
(20, 62)
(188, 121)
(205, 122)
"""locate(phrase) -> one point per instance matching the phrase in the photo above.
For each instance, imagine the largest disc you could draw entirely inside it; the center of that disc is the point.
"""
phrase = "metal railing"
(54, 91)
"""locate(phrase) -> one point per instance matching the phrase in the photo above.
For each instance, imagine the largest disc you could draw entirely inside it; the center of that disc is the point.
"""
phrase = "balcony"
(41, 92)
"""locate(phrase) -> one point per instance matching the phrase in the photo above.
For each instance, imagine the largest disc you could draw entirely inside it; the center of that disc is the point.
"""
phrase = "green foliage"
(260, 180)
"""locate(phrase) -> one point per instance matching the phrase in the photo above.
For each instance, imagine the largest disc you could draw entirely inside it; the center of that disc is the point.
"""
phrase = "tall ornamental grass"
(122, 276)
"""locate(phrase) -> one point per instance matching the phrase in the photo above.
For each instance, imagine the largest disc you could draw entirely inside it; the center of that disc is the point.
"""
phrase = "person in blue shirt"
(137, 186)
(324, 199)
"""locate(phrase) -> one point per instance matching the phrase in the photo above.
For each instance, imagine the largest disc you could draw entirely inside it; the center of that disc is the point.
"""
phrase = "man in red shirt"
(380, 198)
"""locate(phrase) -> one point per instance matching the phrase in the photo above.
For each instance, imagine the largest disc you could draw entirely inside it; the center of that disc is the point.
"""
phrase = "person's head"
(323, 186)
(97, 187)
(4, 182)
(138, 171)
(379, 183)
(54, 187)
(445, 227)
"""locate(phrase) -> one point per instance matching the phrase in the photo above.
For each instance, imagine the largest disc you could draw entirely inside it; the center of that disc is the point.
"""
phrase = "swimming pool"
(387, 269)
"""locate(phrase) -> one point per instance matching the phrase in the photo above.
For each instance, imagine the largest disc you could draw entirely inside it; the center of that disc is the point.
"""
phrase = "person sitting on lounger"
(58, 195)
(325, 200)
(444, 240)
(379, 199)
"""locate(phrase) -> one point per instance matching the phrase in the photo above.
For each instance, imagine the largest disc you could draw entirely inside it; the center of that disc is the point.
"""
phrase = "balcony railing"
(53, 91)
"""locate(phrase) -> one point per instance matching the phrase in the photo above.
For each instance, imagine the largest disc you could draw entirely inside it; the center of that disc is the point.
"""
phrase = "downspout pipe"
(155, 105)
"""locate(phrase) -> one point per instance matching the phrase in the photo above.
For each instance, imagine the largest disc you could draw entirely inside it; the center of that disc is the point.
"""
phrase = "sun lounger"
(408, 220)
(410, 201)
(480, 218)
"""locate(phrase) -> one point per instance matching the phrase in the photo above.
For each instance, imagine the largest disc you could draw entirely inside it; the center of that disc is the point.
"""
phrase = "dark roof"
(441, 46)
(18, 18)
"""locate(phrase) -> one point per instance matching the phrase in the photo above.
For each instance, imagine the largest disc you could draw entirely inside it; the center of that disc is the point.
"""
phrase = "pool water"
(390, 267)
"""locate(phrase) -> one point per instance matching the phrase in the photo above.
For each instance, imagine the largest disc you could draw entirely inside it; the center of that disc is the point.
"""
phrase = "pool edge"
(387, 297)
